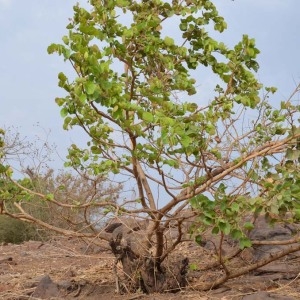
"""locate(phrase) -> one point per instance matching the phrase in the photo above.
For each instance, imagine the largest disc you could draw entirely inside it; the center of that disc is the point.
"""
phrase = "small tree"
(136, 64)
(74, 196)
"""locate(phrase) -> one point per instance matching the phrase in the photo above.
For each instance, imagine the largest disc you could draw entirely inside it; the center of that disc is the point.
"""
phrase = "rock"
(278, 231)
(265, 232)
(46, 289)
(128, 224)
(268, 232)
(111, 227)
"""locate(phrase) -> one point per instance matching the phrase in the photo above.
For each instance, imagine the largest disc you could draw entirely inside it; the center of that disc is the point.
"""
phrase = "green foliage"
(281, 186)
(223, 214)
(139, 100)
(64, 189)
(134, 95)
(16, 231)
(61, 199)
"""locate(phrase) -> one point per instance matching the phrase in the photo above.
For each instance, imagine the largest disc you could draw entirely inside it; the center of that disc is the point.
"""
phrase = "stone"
(46, 288)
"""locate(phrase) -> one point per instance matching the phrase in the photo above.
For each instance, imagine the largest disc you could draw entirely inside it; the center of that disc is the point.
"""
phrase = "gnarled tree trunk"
(142, 270)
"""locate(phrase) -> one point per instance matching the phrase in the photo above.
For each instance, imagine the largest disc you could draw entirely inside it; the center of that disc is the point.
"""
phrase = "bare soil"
(84, 271)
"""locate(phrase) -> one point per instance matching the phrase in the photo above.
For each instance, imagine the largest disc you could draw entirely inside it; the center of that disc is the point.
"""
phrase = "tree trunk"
(143, 271)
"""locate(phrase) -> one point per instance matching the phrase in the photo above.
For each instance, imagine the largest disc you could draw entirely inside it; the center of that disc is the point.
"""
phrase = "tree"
(137, 67)
(74, 197)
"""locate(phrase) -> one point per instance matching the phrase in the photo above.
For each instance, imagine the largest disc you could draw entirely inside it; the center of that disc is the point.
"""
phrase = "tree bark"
(145, 272)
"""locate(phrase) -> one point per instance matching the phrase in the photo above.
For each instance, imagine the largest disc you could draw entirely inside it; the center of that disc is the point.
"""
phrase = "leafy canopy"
(130, 76)
(129, 95)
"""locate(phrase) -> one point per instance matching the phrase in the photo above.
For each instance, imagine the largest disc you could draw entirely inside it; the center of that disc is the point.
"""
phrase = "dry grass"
(91, 269)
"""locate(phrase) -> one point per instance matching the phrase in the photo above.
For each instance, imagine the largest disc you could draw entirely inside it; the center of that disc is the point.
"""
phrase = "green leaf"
(52, 48)
(215, 230)
(122, 3)
(236, 234)
(169, 41)
(224, 227)
(195, 201)
(193, 267)
(216, 153)
(271, 89)
(50, 197)
(62, 77)
(292, 154)
(297, 214)
(148, 117)
(191, 107)
(3, 168)
(65, 40)
(67, 122)
(60, 101)
(64, 112)
(245, 243)
(171, 163)
(210, 129)
(235, 207)
(198, 239)
(183, 26)
(90, 87)
(248, 226)
(83, 98)
(186, 141)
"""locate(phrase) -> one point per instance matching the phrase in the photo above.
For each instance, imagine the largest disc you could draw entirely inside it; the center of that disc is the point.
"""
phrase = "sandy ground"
(84, 271)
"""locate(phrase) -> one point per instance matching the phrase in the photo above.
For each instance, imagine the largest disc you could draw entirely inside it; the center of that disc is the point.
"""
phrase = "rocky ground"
(68, 268)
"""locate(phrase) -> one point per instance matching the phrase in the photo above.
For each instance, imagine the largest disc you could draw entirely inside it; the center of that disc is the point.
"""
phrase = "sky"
(28, 75)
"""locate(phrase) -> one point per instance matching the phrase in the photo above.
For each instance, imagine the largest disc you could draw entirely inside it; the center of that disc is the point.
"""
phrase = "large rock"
(266, 232)
(128, 224)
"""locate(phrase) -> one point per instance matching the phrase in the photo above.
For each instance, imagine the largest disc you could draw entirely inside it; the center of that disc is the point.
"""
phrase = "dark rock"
(260, 252)
(128, 224)
(263, 231)
(46, 288)
(111, 227)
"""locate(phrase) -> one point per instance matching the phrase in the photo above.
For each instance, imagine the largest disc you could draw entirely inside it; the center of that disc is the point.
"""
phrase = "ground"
(84, 271)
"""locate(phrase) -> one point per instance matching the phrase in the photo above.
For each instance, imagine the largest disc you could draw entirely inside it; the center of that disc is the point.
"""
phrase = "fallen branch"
(241, 271)
(28, 218)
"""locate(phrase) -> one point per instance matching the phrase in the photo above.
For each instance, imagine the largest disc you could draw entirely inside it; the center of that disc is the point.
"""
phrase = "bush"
(17, 231)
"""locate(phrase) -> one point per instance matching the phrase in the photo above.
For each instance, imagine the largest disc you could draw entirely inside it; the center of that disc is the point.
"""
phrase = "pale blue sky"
(28, 75)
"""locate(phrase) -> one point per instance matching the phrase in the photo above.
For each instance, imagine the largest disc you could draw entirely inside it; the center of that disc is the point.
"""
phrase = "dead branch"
(28, 218)
(236, 273)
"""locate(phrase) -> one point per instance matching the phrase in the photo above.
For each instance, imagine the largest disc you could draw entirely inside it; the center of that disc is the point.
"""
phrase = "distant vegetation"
(16, 231)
